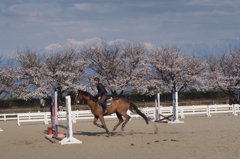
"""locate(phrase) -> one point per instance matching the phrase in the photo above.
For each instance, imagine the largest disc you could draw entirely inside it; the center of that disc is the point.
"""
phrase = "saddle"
(108, 101)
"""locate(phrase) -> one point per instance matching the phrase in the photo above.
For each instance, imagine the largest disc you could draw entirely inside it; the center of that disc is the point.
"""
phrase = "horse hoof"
(108, 135)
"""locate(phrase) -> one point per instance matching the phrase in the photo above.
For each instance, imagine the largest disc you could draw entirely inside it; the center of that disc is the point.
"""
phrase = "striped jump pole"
(68, 138)
(54, 118)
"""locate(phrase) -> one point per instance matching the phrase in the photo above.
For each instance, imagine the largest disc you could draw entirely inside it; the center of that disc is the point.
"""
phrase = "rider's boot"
(104, 109)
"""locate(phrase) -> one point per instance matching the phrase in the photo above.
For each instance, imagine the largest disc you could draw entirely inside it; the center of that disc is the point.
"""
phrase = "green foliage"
(210, 94)
(192, 94)
(7, 103)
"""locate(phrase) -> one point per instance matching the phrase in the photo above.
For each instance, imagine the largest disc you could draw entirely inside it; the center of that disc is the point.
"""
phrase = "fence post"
(73, 117)
(45, 119)
(181, 113)
(234, 110)
(18, 120)
(208, 111)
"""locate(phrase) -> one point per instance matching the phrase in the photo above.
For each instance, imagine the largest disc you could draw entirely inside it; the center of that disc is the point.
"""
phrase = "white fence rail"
(5, 117)
(201, 110)
(45, 117)
(209, 110)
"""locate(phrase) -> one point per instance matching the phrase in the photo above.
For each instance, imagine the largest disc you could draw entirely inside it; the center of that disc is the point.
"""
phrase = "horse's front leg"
(104, 124)
(95, 122)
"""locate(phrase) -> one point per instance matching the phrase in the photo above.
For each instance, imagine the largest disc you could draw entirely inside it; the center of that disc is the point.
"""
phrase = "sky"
(45, 25)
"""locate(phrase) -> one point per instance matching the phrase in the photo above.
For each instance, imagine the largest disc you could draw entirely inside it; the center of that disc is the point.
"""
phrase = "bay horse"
(119, 106)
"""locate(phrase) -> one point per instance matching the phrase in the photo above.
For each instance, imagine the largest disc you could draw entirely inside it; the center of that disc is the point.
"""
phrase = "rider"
(102, 93)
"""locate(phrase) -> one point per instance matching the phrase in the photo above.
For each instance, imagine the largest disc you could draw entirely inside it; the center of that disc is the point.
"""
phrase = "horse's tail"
(135, 108)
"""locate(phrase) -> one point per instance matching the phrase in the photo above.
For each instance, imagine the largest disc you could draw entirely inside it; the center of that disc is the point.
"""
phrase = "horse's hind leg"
(126, 120)
(120, 120)
(104, 124)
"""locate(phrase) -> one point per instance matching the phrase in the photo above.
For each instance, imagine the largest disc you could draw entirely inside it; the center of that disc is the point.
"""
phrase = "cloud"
(53, 47)
(82, 6)
(45, 23)
(4, 54)
(142, 4)
(95, 7)
(96, 41)
(118, 41)
(82, 43)
(214, 3)
(31, 10)
(208, 13)
(149, 46)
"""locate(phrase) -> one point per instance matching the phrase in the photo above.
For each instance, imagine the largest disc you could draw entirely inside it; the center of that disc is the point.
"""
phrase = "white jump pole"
(175, 109)
(157, 107)
(69, 139)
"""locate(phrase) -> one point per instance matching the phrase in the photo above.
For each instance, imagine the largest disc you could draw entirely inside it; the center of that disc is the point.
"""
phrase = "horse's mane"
(85, 93)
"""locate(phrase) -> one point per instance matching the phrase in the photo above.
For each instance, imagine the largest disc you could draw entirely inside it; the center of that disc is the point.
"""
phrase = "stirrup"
(105, 112)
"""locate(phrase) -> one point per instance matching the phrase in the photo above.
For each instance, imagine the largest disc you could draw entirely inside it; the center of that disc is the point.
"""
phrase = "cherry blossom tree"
(173, 72)
(30, 75)
(7, 79)
(65, 70)
(224, 72)
(38, 76)
(119, 67)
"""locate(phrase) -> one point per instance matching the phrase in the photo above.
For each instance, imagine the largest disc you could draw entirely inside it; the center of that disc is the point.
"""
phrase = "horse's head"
(82, 95)
(79, 96)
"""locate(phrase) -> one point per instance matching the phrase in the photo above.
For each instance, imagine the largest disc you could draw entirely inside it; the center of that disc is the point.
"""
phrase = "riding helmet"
(96, 79)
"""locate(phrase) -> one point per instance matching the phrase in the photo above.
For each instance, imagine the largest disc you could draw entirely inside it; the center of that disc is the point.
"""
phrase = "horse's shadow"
(99, 133)
(89, 133)
(121, 133)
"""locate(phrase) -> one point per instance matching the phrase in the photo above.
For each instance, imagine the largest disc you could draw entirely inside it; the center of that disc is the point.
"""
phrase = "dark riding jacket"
(101, 90)
(101, 93)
